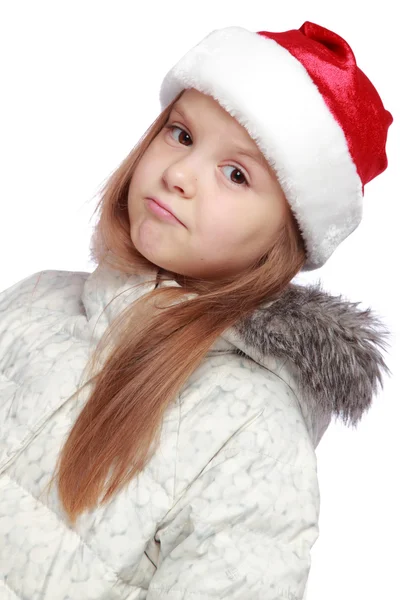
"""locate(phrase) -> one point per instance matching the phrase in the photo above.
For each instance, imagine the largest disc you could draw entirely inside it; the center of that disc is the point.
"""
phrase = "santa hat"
(313, 113)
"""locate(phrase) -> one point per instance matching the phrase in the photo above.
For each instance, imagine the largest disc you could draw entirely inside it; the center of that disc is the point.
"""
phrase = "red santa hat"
(313, 113)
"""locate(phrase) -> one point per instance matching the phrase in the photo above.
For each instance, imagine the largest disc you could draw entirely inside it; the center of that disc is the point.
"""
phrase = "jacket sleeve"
(244, 530)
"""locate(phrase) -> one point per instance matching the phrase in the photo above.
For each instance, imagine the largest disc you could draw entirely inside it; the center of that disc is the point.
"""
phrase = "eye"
(235, 169)
(172, 127)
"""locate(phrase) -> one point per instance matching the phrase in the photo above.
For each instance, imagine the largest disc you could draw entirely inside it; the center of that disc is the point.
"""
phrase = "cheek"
(232, 228)
(143, 172)
(149, 166)
(219, 229)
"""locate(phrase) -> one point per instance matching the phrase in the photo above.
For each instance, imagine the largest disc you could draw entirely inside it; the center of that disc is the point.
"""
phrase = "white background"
(79, 86)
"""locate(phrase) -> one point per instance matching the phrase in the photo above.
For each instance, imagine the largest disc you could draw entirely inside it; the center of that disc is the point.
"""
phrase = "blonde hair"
(118, 429)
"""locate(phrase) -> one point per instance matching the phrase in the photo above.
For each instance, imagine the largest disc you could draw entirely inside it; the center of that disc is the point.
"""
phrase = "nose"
(180, 179)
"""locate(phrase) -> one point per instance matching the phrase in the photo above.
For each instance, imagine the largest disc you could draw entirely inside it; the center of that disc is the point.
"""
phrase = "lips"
(165, 206)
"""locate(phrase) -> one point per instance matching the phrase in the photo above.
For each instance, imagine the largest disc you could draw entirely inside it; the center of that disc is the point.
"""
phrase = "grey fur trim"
(333, 344)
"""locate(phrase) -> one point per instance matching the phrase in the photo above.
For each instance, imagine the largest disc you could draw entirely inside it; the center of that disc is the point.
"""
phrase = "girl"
(159, 416)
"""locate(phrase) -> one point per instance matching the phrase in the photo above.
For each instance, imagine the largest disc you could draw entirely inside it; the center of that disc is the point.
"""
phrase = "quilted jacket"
(228, 506)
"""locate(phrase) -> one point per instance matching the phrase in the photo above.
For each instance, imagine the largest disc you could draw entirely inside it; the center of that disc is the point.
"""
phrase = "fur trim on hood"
(332, 345)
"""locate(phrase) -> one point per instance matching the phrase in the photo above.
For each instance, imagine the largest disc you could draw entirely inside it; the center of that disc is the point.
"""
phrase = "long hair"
(154, 354)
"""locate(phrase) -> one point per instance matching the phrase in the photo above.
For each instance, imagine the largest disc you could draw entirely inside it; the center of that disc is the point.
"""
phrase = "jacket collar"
(325, 345)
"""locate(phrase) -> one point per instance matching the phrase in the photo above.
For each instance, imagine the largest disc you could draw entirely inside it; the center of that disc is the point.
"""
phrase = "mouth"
(161, 210)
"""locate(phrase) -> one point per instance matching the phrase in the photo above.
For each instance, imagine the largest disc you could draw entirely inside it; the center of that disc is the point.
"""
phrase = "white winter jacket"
(228, 506)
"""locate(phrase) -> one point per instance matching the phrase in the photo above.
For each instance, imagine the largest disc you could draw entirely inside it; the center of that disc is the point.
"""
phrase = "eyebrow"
(240, 150)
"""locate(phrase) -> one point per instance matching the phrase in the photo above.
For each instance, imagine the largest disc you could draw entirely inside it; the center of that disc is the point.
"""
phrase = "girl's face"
(229, 204)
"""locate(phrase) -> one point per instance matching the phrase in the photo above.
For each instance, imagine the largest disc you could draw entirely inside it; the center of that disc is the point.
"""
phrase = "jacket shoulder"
(283, 432)
(233, 399)
(55, 290)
